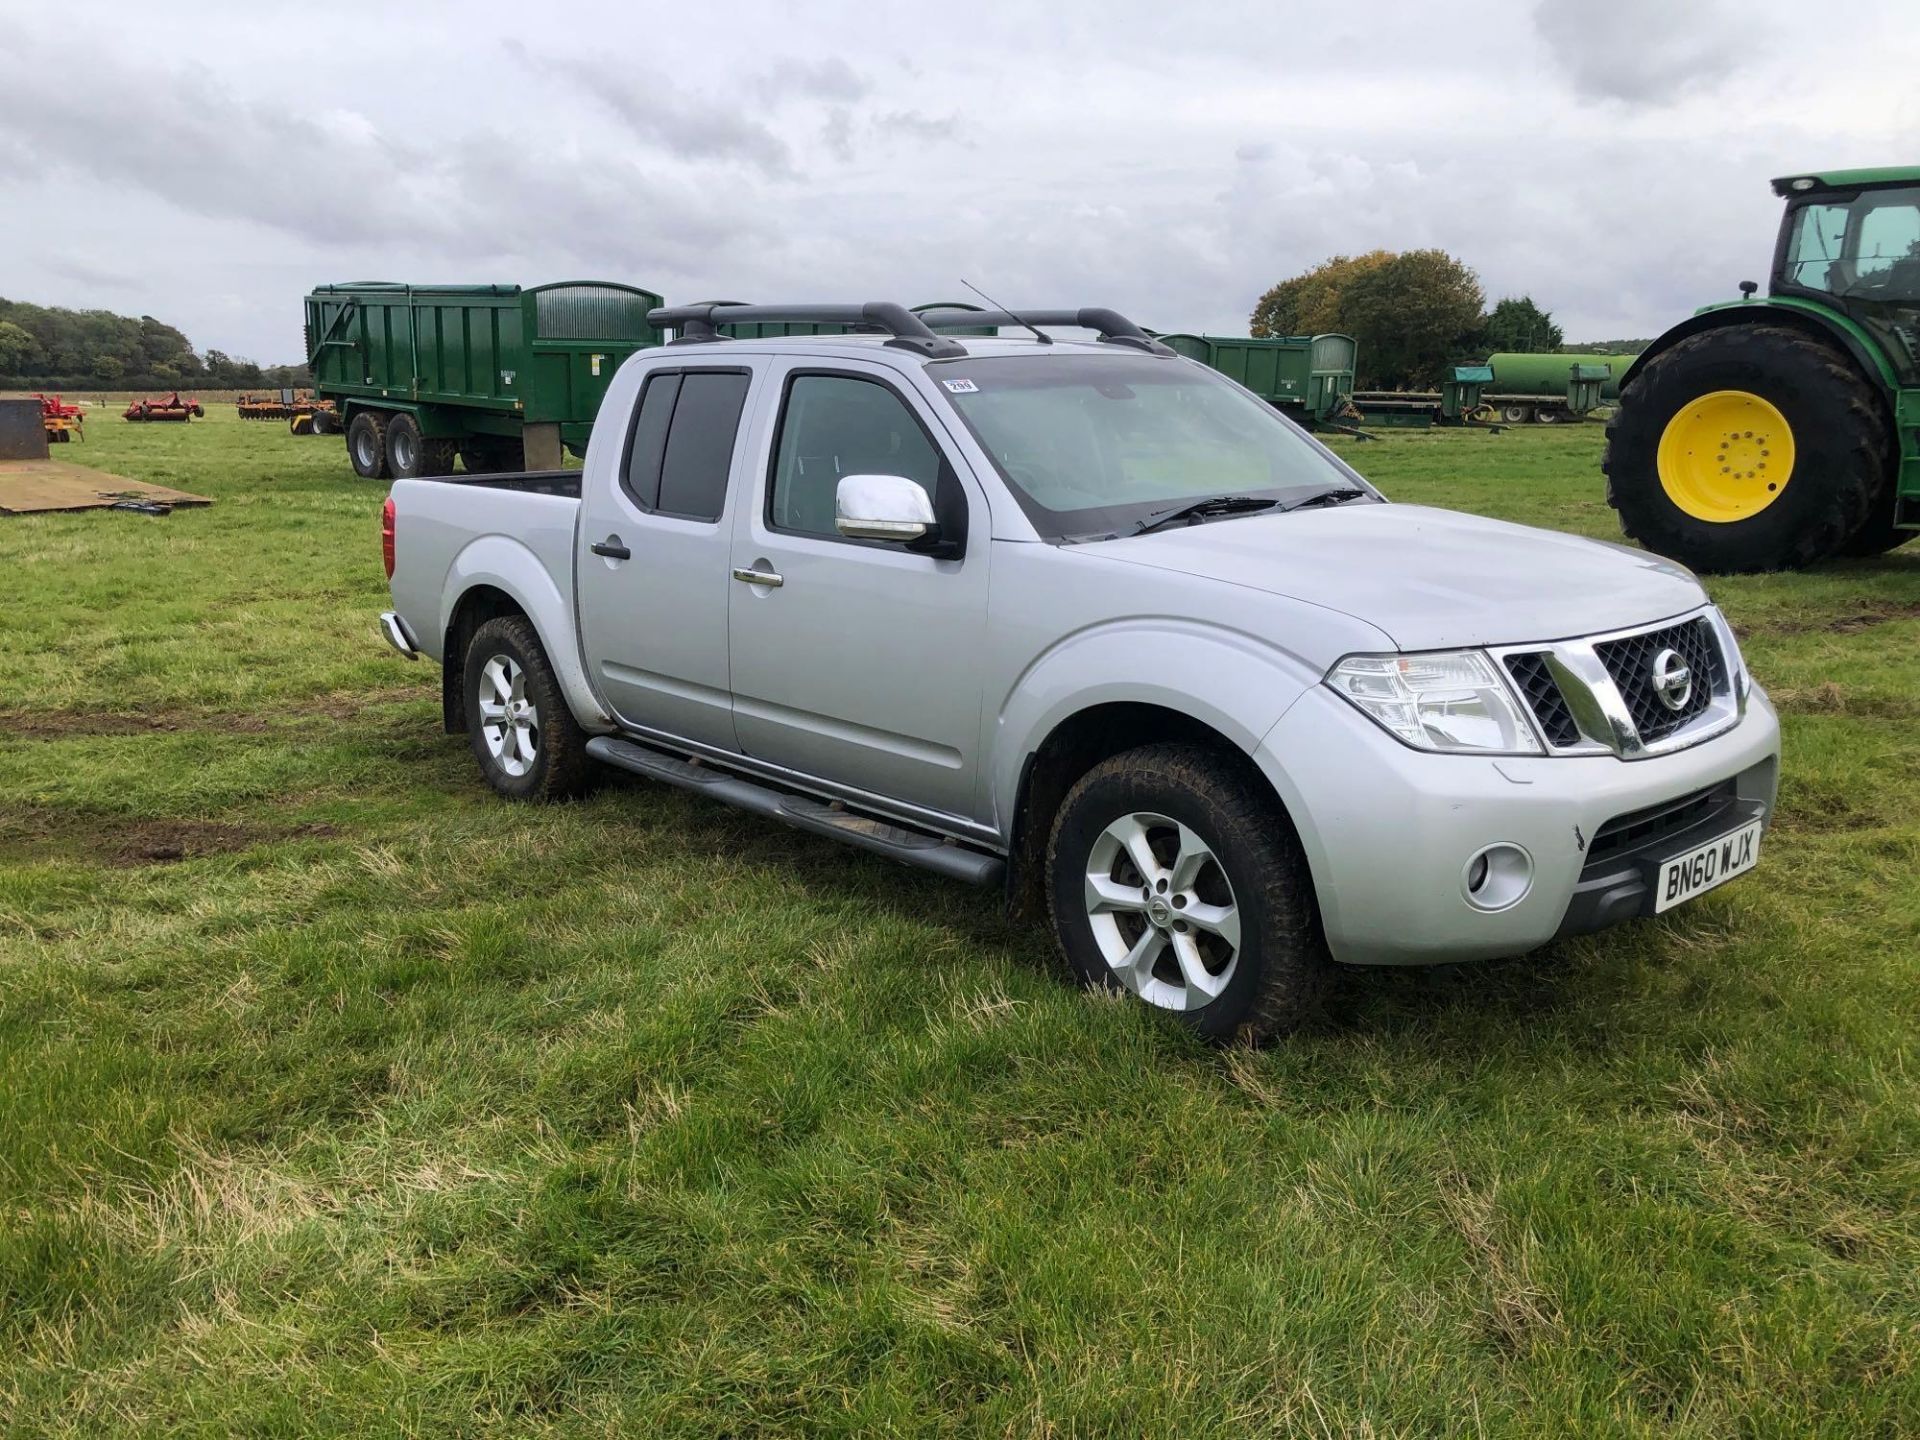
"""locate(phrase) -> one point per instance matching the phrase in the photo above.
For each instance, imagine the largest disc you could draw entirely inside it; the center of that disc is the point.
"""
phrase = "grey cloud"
(658, 112)
(95, 276)
(913, 125)
(1643, 51)
(343, 185)
(829, 79)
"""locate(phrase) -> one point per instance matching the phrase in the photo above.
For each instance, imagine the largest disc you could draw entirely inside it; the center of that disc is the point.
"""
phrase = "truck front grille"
(1630, 661)
(1542, 694)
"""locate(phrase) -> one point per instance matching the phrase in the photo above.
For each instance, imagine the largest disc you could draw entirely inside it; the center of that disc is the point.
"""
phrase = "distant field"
(337, 1096)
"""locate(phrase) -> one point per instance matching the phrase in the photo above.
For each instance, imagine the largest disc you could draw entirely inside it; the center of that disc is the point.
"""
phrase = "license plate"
(1714, 863)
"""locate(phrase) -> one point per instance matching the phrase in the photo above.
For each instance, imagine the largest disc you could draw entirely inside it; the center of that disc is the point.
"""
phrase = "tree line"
(1413, 314)
(45, 347)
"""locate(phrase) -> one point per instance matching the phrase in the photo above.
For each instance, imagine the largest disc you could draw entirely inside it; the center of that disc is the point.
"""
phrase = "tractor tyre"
(1878, 535)
(367, 444)
(1750, 447)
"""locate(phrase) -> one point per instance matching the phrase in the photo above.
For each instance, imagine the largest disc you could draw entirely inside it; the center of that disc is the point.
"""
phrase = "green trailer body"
(1546, 374)
(477, 360)
(1308, 375)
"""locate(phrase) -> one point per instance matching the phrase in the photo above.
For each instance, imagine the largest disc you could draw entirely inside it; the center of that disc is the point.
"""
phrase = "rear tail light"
(386, 535)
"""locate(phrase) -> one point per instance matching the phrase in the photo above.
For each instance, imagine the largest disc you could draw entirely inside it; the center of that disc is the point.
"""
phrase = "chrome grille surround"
(1603, 705)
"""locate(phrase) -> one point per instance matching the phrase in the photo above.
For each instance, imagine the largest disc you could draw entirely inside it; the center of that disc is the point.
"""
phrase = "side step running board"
(909, 847)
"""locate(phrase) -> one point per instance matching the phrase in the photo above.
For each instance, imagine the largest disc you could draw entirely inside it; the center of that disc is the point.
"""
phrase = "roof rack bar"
(1114, 328)
(696, 323)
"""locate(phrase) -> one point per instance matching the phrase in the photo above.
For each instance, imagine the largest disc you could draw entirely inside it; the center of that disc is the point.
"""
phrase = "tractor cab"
(1851, 240)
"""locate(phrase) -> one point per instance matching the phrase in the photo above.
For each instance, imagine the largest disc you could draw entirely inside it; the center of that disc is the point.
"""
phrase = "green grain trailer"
(1309, 376)
(500, 376)
(1522, 381)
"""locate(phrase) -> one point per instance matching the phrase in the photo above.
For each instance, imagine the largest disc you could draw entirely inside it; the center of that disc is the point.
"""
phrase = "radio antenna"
(1038, 334)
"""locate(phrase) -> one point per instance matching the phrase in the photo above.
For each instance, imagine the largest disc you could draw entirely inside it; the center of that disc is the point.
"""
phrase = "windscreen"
(1861, 246)
(1093, 444)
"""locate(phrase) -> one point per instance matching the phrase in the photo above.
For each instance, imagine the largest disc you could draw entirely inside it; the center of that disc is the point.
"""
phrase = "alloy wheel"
(1162, 911)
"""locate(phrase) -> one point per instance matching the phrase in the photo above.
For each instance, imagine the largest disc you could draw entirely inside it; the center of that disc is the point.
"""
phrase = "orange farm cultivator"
(167, 407)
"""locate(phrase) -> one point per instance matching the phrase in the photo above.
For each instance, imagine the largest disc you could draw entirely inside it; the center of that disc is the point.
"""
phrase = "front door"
(858, 662)
(654, 542)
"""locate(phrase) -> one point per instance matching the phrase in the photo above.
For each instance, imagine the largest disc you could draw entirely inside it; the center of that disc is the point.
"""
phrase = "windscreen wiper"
(1328, 497)
(1212, 505)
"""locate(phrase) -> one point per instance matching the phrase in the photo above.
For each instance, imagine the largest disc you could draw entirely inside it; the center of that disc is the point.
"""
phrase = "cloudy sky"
(1170, 159)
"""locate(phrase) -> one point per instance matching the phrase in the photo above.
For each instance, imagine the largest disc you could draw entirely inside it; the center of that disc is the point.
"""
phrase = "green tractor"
(1765, 434)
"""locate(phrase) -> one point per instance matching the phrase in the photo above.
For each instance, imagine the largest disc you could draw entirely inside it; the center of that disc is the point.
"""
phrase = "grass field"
(338, 1096)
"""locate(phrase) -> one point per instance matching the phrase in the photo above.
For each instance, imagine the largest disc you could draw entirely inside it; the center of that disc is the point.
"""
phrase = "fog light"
(1497, 877)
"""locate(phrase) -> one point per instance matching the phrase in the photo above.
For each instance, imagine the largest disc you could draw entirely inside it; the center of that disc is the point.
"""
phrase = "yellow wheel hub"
(1726, 456)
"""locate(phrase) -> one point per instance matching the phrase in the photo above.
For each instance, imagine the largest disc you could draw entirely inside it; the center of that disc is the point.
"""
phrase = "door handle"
(759, 577)
(611, 548)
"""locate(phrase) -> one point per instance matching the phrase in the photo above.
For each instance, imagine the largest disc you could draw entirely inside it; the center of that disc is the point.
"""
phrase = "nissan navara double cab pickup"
(1083, 618)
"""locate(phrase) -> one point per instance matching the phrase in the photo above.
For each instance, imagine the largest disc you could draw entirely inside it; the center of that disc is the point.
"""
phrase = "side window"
(682, 446)
(837, 425)
(1888, 233)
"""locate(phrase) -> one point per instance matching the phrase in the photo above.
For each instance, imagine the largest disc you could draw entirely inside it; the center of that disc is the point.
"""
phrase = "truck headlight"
(1446, 700)
(1730, 647)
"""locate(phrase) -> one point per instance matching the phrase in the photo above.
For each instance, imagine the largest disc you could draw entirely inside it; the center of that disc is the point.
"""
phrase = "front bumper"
(1390, 831)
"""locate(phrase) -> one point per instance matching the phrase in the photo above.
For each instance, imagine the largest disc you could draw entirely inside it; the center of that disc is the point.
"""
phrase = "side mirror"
(882, 507)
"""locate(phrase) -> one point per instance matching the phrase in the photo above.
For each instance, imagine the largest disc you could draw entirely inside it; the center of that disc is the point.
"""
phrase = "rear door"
(654, 544)
(858, 662)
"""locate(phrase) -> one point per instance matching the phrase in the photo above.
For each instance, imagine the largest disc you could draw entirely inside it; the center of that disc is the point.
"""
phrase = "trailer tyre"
(437, 457)
(1749, 447)
(527, 743)
(406, 448)
(1172, 875)
(367, 444)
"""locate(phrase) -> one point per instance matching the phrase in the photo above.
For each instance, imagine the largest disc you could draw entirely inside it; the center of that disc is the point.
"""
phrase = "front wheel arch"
(1072, 748)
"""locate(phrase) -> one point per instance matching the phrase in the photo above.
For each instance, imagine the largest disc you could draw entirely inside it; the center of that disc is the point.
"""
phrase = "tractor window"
(1888, 233)
(1819, 233)
(1863, 248)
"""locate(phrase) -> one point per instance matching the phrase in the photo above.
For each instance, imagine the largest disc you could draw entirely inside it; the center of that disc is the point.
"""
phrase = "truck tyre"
(406, 448)
(367, 444)
(523, 735)
(1546, 415)
(1171, 875)
(1516, 414)
(1750, 447)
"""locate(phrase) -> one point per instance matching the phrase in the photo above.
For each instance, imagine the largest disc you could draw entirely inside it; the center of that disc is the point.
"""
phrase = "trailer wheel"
(405, 447)
(1749, 447)
(367, 444)
(491, 454)
(1515, 414)
(437, 457)
(1549, 417)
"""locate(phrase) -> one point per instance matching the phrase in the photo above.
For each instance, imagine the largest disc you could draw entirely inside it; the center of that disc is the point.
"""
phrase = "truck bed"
(528, 482)
(451, 530)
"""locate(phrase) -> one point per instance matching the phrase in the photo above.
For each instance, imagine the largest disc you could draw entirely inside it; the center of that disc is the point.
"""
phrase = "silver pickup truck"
(1082, 618)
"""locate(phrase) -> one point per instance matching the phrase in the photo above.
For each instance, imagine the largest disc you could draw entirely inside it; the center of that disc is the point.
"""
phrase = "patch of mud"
(1848, 624)
(44, 833)
(62, 724)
